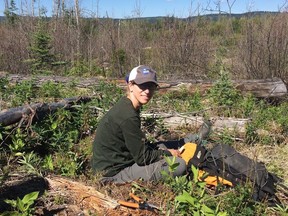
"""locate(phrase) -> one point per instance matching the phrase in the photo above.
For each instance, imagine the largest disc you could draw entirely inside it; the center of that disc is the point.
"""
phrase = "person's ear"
(130, 84)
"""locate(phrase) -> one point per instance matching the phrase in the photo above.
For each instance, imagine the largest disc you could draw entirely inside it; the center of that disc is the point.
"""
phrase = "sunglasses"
(150, 85)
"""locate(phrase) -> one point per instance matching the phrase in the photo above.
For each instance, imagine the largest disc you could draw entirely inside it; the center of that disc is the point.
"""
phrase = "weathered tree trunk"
(28, 112)
(174, 121)
(89, 197)
(268, 88)
(259, 88)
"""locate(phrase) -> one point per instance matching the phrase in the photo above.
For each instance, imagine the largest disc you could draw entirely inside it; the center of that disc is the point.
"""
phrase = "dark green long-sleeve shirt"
(119, 141)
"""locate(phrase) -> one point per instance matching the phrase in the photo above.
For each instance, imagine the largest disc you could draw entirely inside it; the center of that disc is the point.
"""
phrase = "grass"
(61, 143)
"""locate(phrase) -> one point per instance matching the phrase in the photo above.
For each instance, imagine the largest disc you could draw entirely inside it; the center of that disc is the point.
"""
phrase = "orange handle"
(136, 198)
(129, 204)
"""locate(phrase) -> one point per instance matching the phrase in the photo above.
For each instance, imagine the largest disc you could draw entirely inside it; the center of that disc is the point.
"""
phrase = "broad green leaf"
(195, 173)
(207, 210)
(30, 197)
(20, 205)
(202, 184)
(174, 166)
(186, 198)
(11, 202)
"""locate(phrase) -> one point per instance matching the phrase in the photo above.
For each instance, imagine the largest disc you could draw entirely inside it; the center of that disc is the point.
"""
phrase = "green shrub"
(194, 200)
(24, 206)
(238, 201)
(223, 93)
(23, 92)
(69, 163)
(182, 101)
(268, 118)
(109, 92)
(51, 89)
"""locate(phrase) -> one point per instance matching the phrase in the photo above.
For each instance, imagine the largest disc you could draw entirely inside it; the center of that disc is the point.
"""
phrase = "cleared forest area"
(250, 45)
(59, 75)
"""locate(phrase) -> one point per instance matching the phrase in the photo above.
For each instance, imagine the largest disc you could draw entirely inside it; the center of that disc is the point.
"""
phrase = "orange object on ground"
(188, 151)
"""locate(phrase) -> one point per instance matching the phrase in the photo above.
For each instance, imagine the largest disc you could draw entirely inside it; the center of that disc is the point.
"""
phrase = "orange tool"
(139, 204)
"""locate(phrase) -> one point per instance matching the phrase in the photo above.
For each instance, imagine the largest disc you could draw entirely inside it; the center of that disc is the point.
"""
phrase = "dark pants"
(150, 172)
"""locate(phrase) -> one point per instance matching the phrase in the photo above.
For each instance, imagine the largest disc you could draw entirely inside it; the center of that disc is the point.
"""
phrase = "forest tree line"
(249, 47)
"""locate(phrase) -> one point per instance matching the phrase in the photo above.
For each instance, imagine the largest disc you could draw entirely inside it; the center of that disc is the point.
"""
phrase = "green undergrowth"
(60, 142)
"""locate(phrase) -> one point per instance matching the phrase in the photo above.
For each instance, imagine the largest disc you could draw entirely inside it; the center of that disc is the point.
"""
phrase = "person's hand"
(175, 152)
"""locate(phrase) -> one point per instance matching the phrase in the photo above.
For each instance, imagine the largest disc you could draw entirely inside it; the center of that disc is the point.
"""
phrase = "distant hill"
(208, 16)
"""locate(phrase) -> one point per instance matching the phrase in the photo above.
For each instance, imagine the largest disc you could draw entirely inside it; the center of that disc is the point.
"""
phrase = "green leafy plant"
(30, 162)
(238, 201)
(247, 106)
(51, 89)
(176, 183)
(180, 101)
(226, 137)
(268, 118)
(110, 93)
(24, 206)
(193, 200)
(4, 82)
(153, 128)
(80, 67)
(56, 132)
(22, 92)
(192, 196)
(69, 164)
(18, 142)
(172, 166)
(223, 92)
(280, 209)
(47, 163)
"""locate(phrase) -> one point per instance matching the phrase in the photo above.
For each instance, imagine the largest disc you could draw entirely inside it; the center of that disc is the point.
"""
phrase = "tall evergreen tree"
(40, 50)
(10, 13)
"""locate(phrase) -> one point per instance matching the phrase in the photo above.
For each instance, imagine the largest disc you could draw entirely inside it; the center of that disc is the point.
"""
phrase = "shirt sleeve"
(135, 143)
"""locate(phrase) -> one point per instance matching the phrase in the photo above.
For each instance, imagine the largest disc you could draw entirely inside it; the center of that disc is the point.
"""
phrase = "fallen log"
(177, 120)
(86, 196)
(37, 110)
(171, 121)
(261, 88)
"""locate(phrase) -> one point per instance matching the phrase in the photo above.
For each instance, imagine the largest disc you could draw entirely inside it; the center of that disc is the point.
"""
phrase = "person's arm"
(135, 143)
(175, 152)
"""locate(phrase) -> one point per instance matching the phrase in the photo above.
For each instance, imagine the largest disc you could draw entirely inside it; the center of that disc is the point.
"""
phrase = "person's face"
(143, 92)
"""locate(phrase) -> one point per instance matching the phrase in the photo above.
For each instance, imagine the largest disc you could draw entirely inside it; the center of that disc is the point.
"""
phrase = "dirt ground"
(66, 196)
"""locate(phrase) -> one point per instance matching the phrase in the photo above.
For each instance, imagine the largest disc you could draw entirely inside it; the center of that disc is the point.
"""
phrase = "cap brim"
(141, 81)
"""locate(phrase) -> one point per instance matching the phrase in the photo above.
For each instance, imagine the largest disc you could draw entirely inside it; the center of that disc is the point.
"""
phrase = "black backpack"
(225, 162)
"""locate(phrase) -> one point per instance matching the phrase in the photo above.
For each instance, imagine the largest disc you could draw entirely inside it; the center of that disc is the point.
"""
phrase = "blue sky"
(148, 8)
